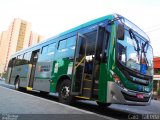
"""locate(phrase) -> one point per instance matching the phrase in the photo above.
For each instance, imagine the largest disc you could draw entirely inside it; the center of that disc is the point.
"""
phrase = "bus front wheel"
(65, 92)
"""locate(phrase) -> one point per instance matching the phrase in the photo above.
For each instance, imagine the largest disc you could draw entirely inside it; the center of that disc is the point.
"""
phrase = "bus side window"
(45, 50)
(26, 58)
(19, 59)
(71, 41)
(51, 49)
(91, 38)
(62, 44)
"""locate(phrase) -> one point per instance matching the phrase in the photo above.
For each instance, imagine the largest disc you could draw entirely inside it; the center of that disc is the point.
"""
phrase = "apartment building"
(17, 37)
(3, 50)
(35, 38)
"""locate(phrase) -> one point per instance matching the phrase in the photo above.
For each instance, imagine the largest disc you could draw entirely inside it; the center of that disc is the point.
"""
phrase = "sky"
(51, 17)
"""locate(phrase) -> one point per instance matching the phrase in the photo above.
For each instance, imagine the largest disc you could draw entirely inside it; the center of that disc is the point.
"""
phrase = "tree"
(4, 75)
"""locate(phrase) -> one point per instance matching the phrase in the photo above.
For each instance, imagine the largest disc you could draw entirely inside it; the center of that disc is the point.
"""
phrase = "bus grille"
(134, 98)
(140, 81)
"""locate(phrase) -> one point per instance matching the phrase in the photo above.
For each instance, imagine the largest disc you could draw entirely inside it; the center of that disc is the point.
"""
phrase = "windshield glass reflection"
(135, 28)
(137, 60)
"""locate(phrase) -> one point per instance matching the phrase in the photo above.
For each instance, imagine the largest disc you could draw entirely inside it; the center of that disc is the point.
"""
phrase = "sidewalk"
(24, 105)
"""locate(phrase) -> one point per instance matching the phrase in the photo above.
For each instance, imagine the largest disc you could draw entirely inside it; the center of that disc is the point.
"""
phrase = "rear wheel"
(65, 92)
(17, 82)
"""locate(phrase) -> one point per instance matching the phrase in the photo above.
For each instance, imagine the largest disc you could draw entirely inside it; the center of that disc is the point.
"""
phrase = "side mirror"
(120, 32)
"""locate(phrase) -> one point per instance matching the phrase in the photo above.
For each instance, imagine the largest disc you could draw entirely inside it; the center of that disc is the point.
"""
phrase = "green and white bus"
(108, 60)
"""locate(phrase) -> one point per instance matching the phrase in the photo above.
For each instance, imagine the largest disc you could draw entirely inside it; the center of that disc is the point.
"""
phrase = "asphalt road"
(43, 106)
(15, 104)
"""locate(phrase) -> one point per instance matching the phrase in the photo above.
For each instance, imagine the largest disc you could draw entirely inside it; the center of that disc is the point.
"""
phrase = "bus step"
(86, 92)
(87, 83)
(87, 76)
(88, 80)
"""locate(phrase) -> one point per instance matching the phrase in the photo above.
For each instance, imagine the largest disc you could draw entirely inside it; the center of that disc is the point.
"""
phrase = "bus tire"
(65, 92)
(17, 82)
(103, 105)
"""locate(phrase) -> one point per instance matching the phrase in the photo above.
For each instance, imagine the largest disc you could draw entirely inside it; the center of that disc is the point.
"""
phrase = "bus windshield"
(134, 27)
(135, 53)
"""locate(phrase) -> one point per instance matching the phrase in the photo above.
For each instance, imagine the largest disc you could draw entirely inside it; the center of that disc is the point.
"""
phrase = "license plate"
(140, 96)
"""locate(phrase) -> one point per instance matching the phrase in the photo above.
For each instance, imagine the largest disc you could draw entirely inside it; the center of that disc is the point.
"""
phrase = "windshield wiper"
(132, 36)
(144, 45)
(144, 51)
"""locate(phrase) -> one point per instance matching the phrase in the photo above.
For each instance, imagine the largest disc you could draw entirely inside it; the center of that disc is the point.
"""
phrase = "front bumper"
(118, 95)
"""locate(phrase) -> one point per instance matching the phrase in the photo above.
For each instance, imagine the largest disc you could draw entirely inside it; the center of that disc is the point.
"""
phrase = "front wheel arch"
(64, 92)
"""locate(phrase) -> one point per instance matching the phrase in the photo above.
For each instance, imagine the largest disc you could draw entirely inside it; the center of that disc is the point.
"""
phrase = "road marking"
(71, 107)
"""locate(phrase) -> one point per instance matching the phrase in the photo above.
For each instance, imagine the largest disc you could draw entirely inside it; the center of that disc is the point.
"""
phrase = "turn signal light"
(116, 79)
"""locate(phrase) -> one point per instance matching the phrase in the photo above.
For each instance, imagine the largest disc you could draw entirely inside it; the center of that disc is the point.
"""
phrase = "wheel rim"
(16, 85)
(65, 92)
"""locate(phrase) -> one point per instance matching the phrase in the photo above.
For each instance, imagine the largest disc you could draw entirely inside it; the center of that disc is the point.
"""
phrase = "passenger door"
(85, 77)
(79, 64)
(10, 69)
(34, 59)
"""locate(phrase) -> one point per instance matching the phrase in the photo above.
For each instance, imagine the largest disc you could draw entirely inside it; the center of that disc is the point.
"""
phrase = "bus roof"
(87, 24)
(69, 31)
